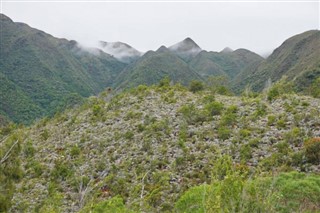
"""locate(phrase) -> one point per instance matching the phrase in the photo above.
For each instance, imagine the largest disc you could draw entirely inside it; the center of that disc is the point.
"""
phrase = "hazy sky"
(260, 27)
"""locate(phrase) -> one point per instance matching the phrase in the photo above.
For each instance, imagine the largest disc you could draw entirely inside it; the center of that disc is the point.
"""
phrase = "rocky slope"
(150, 144)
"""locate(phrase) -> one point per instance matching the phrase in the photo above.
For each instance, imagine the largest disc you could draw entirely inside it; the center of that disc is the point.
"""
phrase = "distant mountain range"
(40, 74)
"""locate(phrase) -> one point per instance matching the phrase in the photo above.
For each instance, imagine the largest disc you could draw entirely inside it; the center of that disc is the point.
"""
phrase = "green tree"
(196, 86)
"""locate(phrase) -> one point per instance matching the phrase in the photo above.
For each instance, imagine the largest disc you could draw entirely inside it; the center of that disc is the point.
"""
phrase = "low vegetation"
(165, 148)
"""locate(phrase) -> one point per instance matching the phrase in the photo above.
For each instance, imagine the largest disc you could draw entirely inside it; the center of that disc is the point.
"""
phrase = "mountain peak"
(188, 39)
(4, 18)
(186, 47)
(162, 49)
(120, 50)
(226, 50)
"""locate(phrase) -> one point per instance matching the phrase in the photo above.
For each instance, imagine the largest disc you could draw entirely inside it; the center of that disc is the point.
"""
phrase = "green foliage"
(165, 82)
(45, 134)
(273, 93)
(281, 123)
(10, 170)
(294, 136)
(192, 115)
(229, 118)
(61, 171)
(312, 150)
(224, 133)
(129, 135)
(36, 168)
(96, 110)
(244, 133)
(298, 191)
(271, 120)
(219, 85)
(283, 86)
(315, 88)
(245, 152)
(214, 108)
(192, 201)
(28, 149)
(75, 151)
(260, 111)
(232, 191)
(196, 86)
(112, 205)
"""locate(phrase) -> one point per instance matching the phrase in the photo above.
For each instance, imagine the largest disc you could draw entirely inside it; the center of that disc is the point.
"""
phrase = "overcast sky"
(260, 27)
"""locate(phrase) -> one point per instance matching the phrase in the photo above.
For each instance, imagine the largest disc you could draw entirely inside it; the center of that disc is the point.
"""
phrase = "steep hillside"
(149, 145)
(228, 63)
(39, 73)
(297, 58)
(154, 66)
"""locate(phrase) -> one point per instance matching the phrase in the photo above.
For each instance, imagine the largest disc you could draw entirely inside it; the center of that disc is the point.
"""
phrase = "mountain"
(40, 73)
(223, 63)
(184, 62)
(154, 66)
(144, 148)
(121, 51)
(297, 58)
(185, 49)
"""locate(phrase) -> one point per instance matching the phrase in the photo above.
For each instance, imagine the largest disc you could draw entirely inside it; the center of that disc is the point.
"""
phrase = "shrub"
(96, 110)
(112, 205)
(281, 87)
(192, 200)
(224, 133)
(260, 111)
(196, 86)
(219, 84)
(192, 115)
(214, 108)
(295, 136)
(271, 120)
(273, 94)
(315, 88)
(165, 82)
(128, 135)
(228, 119)
(244, 133)
(45, 134)
(286, 192)
(75, 151)
(281, 123)
(245, 152)
(254, 142)
(10, 171)
(29, 150)
(61, 171)
(312, 150)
